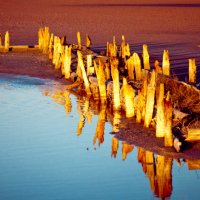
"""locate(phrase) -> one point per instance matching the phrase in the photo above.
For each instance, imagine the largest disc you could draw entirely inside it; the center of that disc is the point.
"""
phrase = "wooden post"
(127, 51)
(67, 61)
(141, 102)
(130, 68)
(115, 146)
(144, 97)
(122, 50)
(166, 63)
(157, 67)
(94, 87)
(126, 149)
(7, 41)
(116, 85)
(107, 71)
(192, 71)
(168, 141)
(107, 49)
(46, 40)
(79, 39)
(40, 38)
(51, 41)
(90, 68)
(160, 116)
(78, 69)
(57, 52)
(112, 48)
(88, 41)
(60, 50)
(128, 95)
(150, 100)
(139, 107)
(101, 80)
(86, 81)
(138, 67)
(145, 56)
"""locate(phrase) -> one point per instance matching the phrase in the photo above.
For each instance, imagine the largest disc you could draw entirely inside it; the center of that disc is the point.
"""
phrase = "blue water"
(42, 157)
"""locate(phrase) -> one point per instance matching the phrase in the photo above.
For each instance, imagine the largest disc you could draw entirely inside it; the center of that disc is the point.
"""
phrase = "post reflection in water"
(99, 133)
(157, 168)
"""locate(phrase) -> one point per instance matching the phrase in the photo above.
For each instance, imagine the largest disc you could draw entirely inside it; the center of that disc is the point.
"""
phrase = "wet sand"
(162, 25)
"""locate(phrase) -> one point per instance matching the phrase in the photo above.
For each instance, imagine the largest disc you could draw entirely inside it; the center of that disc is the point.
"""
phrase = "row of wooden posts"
(95, 73)
(140, 106)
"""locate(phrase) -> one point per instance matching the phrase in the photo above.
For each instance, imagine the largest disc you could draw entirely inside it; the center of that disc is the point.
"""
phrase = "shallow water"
(56, 145)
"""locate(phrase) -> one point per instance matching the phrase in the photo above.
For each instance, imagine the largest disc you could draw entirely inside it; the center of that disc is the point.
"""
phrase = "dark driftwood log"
(184, 96)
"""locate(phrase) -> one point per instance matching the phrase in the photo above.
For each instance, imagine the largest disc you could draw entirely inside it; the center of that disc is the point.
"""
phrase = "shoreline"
(133, 133)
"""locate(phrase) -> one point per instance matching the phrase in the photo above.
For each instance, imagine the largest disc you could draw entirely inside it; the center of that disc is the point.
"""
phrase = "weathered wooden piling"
(40, 38)
(123, 43)
(144, 97)
(90, 67)
(94, 87)
(116, 84)
(112, 48)
(130, 66)
(141, 102)
(150, 100)
(50, 50)
(79, 40)
(192, 71)
(101, 80)
(160, 114)
(67, 61)
(138, 67)
(157, 67)
(166, 63)
(168, 107)
(145, 56)
(84, 75)
(46, 39)
(60, 50)
(107, 71)
(7, 41)
(128, 95)
(88, 41)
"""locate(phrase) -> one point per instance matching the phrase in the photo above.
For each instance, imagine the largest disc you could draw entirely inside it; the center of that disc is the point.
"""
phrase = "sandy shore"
(162, 25)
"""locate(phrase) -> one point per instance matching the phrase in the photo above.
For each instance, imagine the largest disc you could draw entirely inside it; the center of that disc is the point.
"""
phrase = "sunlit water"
(49, 151)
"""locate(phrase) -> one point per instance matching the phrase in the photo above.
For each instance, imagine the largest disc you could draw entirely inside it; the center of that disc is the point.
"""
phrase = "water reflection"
(157, 168)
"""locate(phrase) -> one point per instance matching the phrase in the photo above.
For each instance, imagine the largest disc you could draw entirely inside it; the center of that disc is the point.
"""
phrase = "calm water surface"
(55, 145)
